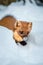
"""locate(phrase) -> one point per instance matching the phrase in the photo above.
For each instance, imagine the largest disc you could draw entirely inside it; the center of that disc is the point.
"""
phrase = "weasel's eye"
(28, 32)
(21, 32)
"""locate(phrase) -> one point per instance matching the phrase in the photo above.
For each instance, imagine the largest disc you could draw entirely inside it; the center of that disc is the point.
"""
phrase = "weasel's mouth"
(25, 38)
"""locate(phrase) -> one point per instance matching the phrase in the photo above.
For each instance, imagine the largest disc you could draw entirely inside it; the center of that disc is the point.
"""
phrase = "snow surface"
(32, 53)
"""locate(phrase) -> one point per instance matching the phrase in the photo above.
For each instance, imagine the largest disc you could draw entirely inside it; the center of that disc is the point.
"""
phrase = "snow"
(32, 53)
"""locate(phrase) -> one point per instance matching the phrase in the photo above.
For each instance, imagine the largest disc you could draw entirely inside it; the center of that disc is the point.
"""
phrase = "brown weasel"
(20, 28)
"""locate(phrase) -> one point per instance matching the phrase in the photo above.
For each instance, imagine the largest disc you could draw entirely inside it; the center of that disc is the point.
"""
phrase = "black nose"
(21, 32)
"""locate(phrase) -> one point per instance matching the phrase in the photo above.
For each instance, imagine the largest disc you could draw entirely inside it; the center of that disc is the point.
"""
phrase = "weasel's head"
(21, 30)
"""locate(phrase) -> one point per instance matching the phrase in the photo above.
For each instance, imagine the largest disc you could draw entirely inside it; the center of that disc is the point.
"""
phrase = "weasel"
(20, 29)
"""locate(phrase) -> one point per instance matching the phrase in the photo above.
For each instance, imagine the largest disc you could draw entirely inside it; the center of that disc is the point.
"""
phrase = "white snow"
(32, 53)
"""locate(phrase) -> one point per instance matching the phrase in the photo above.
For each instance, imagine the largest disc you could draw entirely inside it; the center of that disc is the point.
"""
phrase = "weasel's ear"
(29, 26)
(17, 23)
